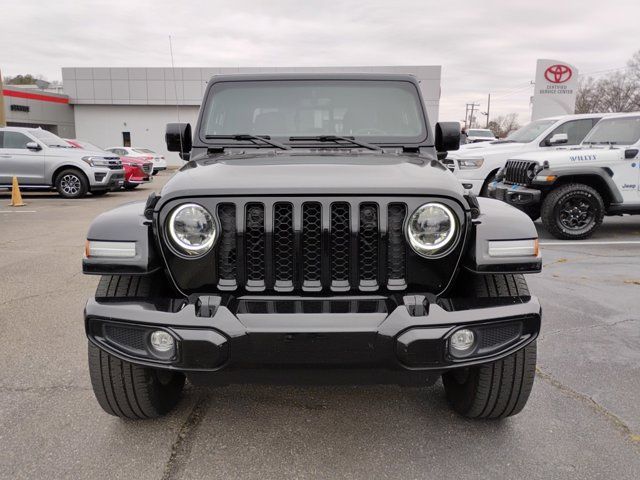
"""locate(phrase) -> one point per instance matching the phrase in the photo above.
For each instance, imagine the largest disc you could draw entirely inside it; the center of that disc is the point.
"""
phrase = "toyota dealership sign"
(556, 86)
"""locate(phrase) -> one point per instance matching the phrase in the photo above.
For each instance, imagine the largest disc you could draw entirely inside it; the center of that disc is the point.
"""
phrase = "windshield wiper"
(252, 138)
(336, 139)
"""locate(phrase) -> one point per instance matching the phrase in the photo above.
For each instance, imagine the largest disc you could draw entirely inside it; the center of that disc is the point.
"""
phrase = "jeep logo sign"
(555, 93)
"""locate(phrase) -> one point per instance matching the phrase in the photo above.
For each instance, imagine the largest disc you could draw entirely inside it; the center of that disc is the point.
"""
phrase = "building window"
(126, 139)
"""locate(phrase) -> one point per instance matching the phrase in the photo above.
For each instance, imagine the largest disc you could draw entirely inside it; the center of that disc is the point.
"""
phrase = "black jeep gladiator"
(312, 236)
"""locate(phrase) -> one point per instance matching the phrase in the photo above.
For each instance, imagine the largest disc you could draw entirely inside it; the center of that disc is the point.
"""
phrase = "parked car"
(476, 135)
(476, 164)
(159, 163)
(573, 189)
(327, 244)
(42, 160)
(136, 170)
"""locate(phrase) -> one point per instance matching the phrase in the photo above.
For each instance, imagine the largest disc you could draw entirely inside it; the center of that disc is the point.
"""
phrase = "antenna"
(175, 86)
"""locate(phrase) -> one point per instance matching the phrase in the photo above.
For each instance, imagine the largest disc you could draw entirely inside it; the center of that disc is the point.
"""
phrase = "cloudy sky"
(483, 46)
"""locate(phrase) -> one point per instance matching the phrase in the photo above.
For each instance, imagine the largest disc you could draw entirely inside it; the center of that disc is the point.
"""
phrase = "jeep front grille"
(519, 172)
(311, 245)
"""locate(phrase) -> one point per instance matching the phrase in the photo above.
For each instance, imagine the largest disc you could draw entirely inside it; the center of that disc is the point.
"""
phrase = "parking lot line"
(621, 242)
(17, 211)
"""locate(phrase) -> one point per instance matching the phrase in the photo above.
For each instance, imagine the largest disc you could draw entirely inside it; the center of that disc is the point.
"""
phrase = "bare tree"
(587, 99)
(617, 92)
(504, 124)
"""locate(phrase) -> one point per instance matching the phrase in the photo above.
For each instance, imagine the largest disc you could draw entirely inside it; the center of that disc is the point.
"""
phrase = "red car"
(136, 170)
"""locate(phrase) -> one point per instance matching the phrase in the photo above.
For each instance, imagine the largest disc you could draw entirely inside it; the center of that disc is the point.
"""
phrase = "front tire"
(573, 211)
(498, 389)
(124, 389)
(130, 391)
(130, 186)
(71, 183)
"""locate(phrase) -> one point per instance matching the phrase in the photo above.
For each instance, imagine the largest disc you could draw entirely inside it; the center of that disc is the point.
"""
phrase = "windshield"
(530, 131)
(49, 139)
(616, 131)
(374, 111)
(480, 133)
(142, 150)
(89, 146)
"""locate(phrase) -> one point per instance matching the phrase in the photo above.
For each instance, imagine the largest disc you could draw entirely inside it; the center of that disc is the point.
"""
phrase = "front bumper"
(406, 341)
(106, 179)
(515, 195)
(136, 175)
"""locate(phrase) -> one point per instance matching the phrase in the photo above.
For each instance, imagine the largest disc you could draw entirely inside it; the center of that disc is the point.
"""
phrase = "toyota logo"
(558, 73)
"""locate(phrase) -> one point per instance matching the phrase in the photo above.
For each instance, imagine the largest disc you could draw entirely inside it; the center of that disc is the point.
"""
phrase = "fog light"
(462, 340)
(161, 341)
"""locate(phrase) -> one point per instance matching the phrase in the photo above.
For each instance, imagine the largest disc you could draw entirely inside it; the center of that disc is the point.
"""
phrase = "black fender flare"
(499, 221)
(602, 175)
(126, 223)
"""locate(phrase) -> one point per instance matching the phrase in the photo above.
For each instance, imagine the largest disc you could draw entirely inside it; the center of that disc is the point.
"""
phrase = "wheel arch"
(599, 179)
(67, 166)
(125, 223)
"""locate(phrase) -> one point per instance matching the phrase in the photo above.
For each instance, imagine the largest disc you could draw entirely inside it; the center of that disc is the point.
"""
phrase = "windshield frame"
(201, 142)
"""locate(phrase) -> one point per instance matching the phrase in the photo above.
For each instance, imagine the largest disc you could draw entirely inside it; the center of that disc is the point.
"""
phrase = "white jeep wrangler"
(476, 164)
(572, 189)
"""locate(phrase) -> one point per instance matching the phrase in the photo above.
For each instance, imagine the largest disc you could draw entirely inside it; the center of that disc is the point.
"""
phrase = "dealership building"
(131, 106)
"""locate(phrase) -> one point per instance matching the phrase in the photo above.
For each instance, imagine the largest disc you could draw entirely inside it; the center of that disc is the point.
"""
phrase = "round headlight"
(431, 229)
(192, 229)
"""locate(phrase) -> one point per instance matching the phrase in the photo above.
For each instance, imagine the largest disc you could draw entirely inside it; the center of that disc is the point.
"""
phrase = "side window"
(15, 140)
(576, 130)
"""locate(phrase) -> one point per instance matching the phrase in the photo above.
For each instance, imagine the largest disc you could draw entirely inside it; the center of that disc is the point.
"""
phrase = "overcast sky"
(483, 46)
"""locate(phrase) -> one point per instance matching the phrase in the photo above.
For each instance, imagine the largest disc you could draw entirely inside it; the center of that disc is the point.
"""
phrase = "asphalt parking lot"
(582, 421)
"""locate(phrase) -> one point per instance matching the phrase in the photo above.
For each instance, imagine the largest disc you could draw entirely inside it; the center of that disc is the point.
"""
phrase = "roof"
(248, 77)
(19, 129)
(576, 116)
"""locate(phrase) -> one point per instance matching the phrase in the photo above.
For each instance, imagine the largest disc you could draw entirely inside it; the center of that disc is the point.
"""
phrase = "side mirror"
(447, 136)
(557, 139)
(631, 153)
(178, 138)
(33, 146)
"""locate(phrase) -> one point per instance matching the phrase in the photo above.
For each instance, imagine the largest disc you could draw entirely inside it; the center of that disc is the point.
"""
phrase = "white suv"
(572, 189)
(476, 164)
(42, 160)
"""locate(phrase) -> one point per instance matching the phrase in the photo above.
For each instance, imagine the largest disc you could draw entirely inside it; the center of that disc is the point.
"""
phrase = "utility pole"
(488, 108)
(3, 118)
(470, 109)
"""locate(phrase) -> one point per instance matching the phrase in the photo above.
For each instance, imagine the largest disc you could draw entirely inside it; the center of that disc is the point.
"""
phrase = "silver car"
(42, 160)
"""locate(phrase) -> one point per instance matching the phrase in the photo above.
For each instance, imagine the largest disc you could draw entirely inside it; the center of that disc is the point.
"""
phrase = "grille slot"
(340, 245)
(368, 245)
(312, 246)
(283, 245)
(255, 246)
(396, 246)
(227, 258)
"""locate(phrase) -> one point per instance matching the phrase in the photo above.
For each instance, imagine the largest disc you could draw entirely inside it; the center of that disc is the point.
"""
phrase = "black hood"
(305, 173)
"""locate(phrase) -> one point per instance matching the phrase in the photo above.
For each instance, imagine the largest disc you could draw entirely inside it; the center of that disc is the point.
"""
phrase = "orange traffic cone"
(16, 198)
